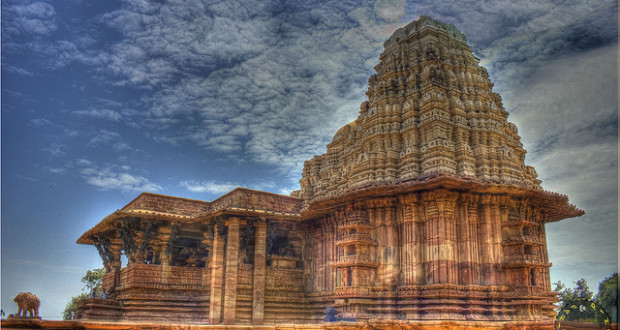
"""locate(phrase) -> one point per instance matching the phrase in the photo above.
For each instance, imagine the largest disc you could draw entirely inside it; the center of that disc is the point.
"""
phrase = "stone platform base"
(379, 325)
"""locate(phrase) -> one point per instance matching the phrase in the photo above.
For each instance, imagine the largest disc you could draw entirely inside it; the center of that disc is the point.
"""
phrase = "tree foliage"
(93, 280)
(607, 296)
(92, 288)
(72, 306)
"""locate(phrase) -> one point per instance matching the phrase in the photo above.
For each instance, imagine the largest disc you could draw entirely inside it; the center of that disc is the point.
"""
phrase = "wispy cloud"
(105, 137)
(38, 122)
(99, 114)
(207, 186)
(27, 178)
(34, 19)
(114, 177)
(57, 149)
(108, 179)
(218, 188)
(242, 77)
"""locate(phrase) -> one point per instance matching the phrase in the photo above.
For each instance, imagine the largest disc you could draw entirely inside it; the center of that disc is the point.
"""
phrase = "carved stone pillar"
(165, 253)
(381, 237)
(392, 247)
(485, 240)
(217, 273)
(115, 264)
(232, 268)
(330, 251)
(449, 245)
(496, 239)
(208, 246)
(407, 254)
(472, 216)
(440, 237)
(138, 256)
(260, 253)
(417, 235)
(431, 247)
(468, 247)
(504, 212)
(544, 256)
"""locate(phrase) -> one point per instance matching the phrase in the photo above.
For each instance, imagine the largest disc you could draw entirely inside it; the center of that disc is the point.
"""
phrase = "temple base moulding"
(29, 323)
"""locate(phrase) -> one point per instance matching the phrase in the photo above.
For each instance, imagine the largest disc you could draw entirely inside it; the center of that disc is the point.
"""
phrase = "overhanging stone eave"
(108, 222)
(250, 213)
(555, 205)
(101, 226)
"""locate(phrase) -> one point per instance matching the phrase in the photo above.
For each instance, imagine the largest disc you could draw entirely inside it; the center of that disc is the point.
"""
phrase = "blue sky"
(102, 100)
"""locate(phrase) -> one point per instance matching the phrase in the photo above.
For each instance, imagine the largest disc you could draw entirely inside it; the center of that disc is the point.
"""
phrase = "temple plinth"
(421, 210)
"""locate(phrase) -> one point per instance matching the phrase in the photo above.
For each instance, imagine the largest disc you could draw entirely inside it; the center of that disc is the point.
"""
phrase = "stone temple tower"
(431, 211)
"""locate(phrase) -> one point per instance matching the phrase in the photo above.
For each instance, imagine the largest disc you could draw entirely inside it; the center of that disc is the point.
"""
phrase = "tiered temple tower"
(421, 210)
(457, 216)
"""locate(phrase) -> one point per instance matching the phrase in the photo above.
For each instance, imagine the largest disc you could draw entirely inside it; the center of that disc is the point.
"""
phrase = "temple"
(422, 209)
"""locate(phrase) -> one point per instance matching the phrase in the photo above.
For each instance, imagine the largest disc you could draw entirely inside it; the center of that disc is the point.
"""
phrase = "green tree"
(607, 296)
(583, 291)
(93, 280)
(92, 288)
(575, 297)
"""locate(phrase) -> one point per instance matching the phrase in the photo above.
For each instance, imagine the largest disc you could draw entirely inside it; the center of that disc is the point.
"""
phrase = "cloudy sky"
(102, 100)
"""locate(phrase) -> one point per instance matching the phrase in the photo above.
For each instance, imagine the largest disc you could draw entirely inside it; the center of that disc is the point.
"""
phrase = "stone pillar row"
(224, 273)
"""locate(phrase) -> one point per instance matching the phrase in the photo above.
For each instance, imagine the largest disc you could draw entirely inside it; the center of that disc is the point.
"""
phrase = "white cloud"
(108, 138)
(100, 114)
(108, 180)
(83, 162)
(58, 170)
(114, 177)
(207, 186)
(104, 137)
(230, 80)
(35, 19)
(390, 10)
(38, 122)
(57, 149)
(121, 146)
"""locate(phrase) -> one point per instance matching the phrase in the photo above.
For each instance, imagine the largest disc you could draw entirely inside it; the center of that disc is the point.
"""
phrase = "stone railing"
(158, 277)
(530, 290)
(168, 204)
(522, 259)
(357, 223)
(524, 239)
(242, 198)
(362, 260)
(356, 238)
(350, 291)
